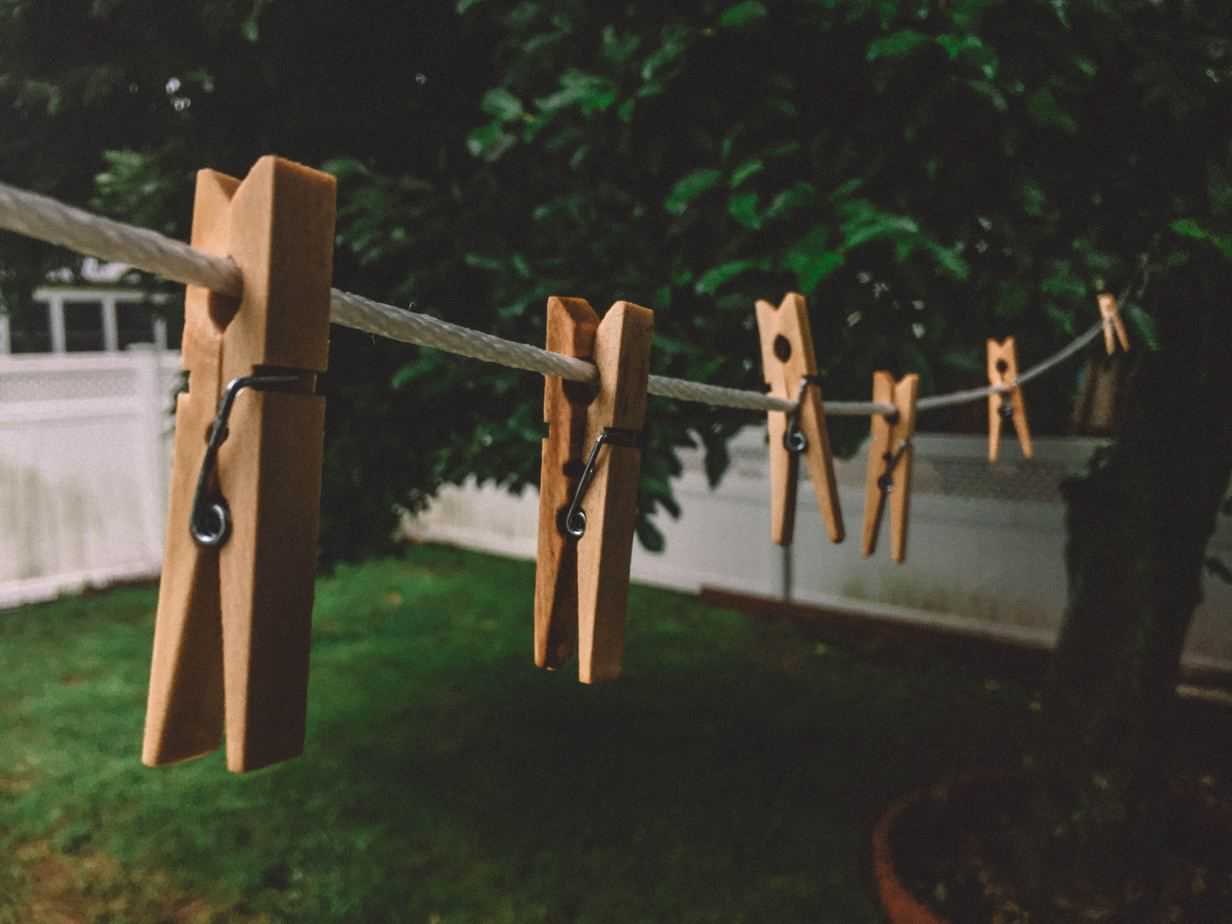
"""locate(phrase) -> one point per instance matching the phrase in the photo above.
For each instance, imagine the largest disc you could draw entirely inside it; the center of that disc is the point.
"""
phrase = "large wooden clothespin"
(889, 462)
(589, 486)
(1005, 405)
(1112, 323)
(234, 607)
(789, 365)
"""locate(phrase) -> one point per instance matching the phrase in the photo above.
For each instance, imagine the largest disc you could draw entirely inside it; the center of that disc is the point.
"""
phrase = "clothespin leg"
(878, 454)
(184, 710)
(994, 426)
(1020, 422)
(571, 325)
(273, 483)
(900, 497)
(282, 231)
(604, 553)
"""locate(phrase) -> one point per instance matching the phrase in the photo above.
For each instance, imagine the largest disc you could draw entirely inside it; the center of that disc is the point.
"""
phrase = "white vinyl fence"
(984, 551)
(84, 460)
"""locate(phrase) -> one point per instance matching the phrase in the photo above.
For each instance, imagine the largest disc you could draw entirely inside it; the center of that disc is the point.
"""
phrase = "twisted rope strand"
(47, 220)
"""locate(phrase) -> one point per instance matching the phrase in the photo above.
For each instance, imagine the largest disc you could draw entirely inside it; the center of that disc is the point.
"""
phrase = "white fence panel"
(984, 551)
(84, 461)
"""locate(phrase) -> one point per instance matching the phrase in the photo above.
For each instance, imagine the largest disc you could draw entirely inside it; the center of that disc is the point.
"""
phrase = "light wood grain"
(1004, 353)
(184, 709)
(622, 356)
(571, 325)
(1113, 325)
(884, 442)
(233, 624)
(789, 326)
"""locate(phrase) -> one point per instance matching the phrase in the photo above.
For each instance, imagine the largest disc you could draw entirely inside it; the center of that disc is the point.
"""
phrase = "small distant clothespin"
(889, 462)
(589, 486)
(789, 365)
(1112, 323)
(235, 603)
(1006, 405)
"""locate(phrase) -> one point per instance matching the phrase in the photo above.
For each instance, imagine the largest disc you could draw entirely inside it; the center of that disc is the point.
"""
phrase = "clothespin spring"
(575, 518)
(794, 440)
(210, 520)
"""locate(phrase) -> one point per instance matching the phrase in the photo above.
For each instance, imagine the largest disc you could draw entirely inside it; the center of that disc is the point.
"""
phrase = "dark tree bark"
(1138, 526)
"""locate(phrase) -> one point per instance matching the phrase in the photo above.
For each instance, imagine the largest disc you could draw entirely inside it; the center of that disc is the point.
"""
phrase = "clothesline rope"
(48, 220)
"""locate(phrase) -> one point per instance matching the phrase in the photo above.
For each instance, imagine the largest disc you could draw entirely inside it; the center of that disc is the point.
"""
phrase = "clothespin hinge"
(575, 517)
(210, 520)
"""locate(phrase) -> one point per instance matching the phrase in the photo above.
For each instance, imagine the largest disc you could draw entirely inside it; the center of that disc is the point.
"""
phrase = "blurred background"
(928, 173)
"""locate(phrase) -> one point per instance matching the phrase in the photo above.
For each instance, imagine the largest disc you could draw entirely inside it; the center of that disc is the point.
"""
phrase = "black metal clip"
(210, 520)
(794, 440)
(575, 518)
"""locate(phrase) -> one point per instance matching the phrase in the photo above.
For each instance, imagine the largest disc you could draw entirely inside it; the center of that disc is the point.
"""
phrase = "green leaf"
(1143, 324)
(896, 44)
(618, 49)
(464, 5)
(720, 275)
(810, 260)
(689, 188)
(502, 104)
(743, 14)
(676, 40)
(1045, 109)
(800, 195)
(489, 141)
(649, 536)
(1189, 227)
(747, 169)
(955, 45)
(989, 92)
(479, 261)
(743, 208)
(964, 361)
(588, 92)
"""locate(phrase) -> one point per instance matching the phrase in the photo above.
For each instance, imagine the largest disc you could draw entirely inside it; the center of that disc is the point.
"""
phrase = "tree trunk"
(1138, 526)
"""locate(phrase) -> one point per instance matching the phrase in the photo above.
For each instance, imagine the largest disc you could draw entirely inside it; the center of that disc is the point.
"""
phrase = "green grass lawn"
(732, 775)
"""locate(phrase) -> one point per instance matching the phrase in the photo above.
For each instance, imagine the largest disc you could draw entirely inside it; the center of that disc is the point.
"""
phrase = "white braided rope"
(56, 223)
(47, 220)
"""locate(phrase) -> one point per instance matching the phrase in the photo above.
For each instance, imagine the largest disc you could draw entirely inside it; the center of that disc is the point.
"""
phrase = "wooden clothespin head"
(1113, 325)
(589, 486)
(235, 603)
(889, 462)
(1005, 405)
(789, 365)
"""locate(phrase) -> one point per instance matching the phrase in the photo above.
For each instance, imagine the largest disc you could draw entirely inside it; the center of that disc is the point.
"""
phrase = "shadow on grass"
(732, 775)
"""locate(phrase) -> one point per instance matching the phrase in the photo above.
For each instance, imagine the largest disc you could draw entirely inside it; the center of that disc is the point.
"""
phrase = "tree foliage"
(929, 173)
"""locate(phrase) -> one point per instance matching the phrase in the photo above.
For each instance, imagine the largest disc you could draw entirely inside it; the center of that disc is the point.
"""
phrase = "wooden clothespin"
(1112, 323)
(235, 603)
(789, 365)
(589, 485)
(889, 462)
(1006, 405)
